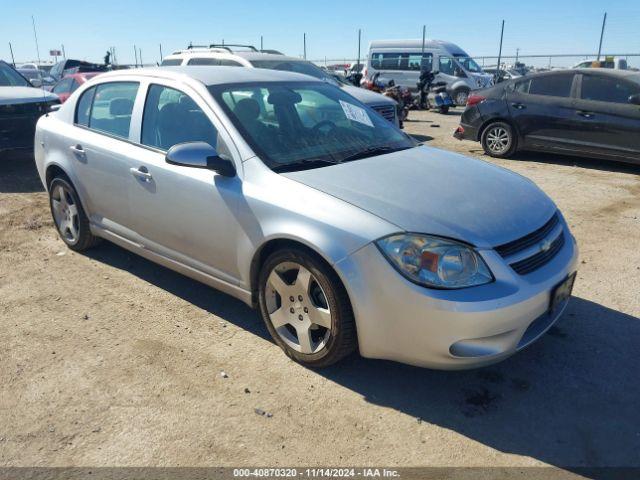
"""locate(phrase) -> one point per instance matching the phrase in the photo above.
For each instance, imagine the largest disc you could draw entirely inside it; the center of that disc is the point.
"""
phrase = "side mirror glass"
(36, 82)
(635, 99)
(200, 155)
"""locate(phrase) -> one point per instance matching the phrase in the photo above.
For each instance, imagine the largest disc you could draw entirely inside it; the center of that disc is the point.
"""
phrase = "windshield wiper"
(371, 152)
(303, 164)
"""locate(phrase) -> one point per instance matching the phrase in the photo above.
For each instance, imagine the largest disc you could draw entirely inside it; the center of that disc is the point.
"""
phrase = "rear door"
(609, 124)
(99, 150)
(542, 108)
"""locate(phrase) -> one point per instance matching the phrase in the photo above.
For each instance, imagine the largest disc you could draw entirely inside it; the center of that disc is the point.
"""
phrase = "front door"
(183, 213)
(610, 125)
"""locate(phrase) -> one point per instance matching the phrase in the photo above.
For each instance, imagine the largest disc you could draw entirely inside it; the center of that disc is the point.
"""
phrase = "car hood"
(15, 95)
(432, 191)
(367, 96)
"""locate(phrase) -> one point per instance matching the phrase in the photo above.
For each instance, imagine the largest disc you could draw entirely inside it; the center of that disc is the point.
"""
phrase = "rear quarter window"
(171, 62)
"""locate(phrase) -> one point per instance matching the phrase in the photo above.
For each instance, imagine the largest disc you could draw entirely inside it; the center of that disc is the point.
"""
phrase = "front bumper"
(451, 329)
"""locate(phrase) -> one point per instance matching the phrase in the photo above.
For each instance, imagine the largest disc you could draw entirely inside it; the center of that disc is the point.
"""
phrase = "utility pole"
(359, 40)
(517, 54)
(304, 45)
(13, 60)
(64, 55)
(35, 35)
(140, 57)
(424, 39)
(261, 43)
(604, 21)
(135, 53)
(500, 53)
(161, 56)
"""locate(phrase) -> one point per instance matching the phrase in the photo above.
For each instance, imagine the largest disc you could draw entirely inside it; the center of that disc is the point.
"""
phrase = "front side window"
(293, 123)
(551, 85)
(171, 117)
(468, 63)
(83, 109)
(447, 65)
(112, 106)
(604, 89)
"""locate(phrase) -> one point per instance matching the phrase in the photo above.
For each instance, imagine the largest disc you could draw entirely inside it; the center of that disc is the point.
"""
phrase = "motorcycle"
(434, 95)
(402, 96)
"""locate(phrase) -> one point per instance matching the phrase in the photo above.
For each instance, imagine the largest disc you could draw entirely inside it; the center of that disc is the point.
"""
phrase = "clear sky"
(87, 28)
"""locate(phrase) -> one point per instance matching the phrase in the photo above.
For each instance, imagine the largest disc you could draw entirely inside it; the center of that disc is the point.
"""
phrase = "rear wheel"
(444, 110)
(306, 309)
(498, 140)
(68, 215)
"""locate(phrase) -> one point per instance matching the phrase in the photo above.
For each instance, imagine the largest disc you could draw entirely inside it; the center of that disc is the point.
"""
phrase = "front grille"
(534, 262)
(387, 111)
(520, 244)
(539, 258)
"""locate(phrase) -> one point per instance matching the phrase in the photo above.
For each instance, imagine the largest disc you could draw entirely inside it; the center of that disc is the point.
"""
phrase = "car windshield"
(468, 63)
(296, 66)
(10, 78)
(295, 125)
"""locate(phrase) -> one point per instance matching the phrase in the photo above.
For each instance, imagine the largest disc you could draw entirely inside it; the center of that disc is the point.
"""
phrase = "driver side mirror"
(36, 82)
(635, 99)
(200, 155)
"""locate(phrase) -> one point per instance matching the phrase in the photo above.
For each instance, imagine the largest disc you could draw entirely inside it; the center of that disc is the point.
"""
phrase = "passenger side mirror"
(200, 155)
(36, 82)
(635, 99)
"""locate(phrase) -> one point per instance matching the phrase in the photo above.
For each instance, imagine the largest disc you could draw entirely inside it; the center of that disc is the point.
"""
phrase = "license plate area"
(561, 292)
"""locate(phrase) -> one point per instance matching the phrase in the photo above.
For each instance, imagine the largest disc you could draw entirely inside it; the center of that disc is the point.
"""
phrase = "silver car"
(289, 194)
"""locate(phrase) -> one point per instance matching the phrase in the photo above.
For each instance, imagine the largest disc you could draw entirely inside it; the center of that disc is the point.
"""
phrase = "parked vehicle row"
(290, 194)
(249, 57)
(587, 112)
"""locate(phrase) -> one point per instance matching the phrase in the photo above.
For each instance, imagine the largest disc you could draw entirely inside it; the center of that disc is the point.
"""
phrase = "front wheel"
(498, 140)
(444, 109)
(306, 309)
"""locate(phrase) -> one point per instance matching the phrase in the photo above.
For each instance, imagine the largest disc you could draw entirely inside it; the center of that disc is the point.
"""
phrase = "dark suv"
(587, 112)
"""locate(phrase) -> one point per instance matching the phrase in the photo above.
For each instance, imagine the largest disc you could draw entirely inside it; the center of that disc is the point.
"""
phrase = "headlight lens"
(435, 262)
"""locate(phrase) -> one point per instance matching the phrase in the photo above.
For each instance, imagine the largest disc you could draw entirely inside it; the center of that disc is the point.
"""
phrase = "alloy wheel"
(298, 308)
(498, 140)
(65, 213)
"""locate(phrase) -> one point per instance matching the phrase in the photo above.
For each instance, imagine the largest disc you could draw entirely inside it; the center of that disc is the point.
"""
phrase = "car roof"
(214, 75)
(628, 74)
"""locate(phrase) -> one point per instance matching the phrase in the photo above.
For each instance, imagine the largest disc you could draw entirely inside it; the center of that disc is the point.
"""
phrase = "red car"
(69, 83)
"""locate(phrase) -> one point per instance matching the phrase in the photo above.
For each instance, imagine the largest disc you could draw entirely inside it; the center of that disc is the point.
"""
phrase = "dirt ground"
(109, 360)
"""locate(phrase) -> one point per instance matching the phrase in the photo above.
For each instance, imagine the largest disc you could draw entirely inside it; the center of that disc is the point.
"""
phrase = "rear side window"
(229, 63)
(83, 109)
(604, 89)
(111, 108)
(547, 85)
(203, 61)
(400, 61)
(171, 117)
(171, 62)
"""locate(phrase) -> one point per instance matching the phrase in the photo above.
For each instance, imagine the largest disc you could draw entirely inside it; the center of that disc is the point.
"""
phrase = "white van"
(399, 60)
(250, 57)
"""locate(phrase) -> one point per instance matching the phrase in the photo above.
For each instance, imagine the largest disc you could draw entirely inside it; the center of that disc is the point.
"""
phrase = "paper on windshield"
(356, 113)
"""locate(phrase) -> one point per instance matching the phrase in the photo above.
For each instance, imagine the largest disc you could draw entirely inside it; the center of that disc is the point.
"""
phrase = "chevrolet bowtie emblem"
(545, 246)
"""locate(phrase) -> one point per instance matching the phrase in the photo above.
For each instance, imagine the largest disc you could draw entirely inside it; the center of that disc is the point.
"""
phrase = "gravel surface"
(110, 360)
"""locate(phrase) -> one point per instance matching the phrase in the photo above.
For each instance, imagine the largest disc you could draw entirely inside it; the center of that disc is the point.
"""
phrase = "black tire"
(498, 140)
(342, 338)
(444, 110)
(84, 239)
(460, 96)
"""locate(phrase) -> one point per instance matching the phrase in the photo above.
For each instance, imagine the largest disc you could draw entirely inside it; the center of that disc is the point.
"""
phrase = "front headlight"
(435, 262)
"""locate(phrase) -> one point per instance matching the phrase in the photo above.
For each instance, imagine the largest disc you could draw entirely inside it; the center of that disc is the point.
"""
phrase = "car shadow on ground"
(422, 138)
(582, 162)
(18, 173)
(569, 400)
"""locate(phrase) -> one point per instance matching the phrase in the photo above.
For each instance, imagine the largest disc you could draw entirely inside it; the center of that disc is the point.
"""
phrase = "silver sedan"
(291, 195)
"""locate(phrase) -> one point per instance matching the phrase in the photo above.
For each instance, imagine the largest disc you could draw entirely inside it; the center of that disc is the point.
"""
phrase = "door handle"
(518, 106)
(584, 114)
(78, 150)
(142, 173)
